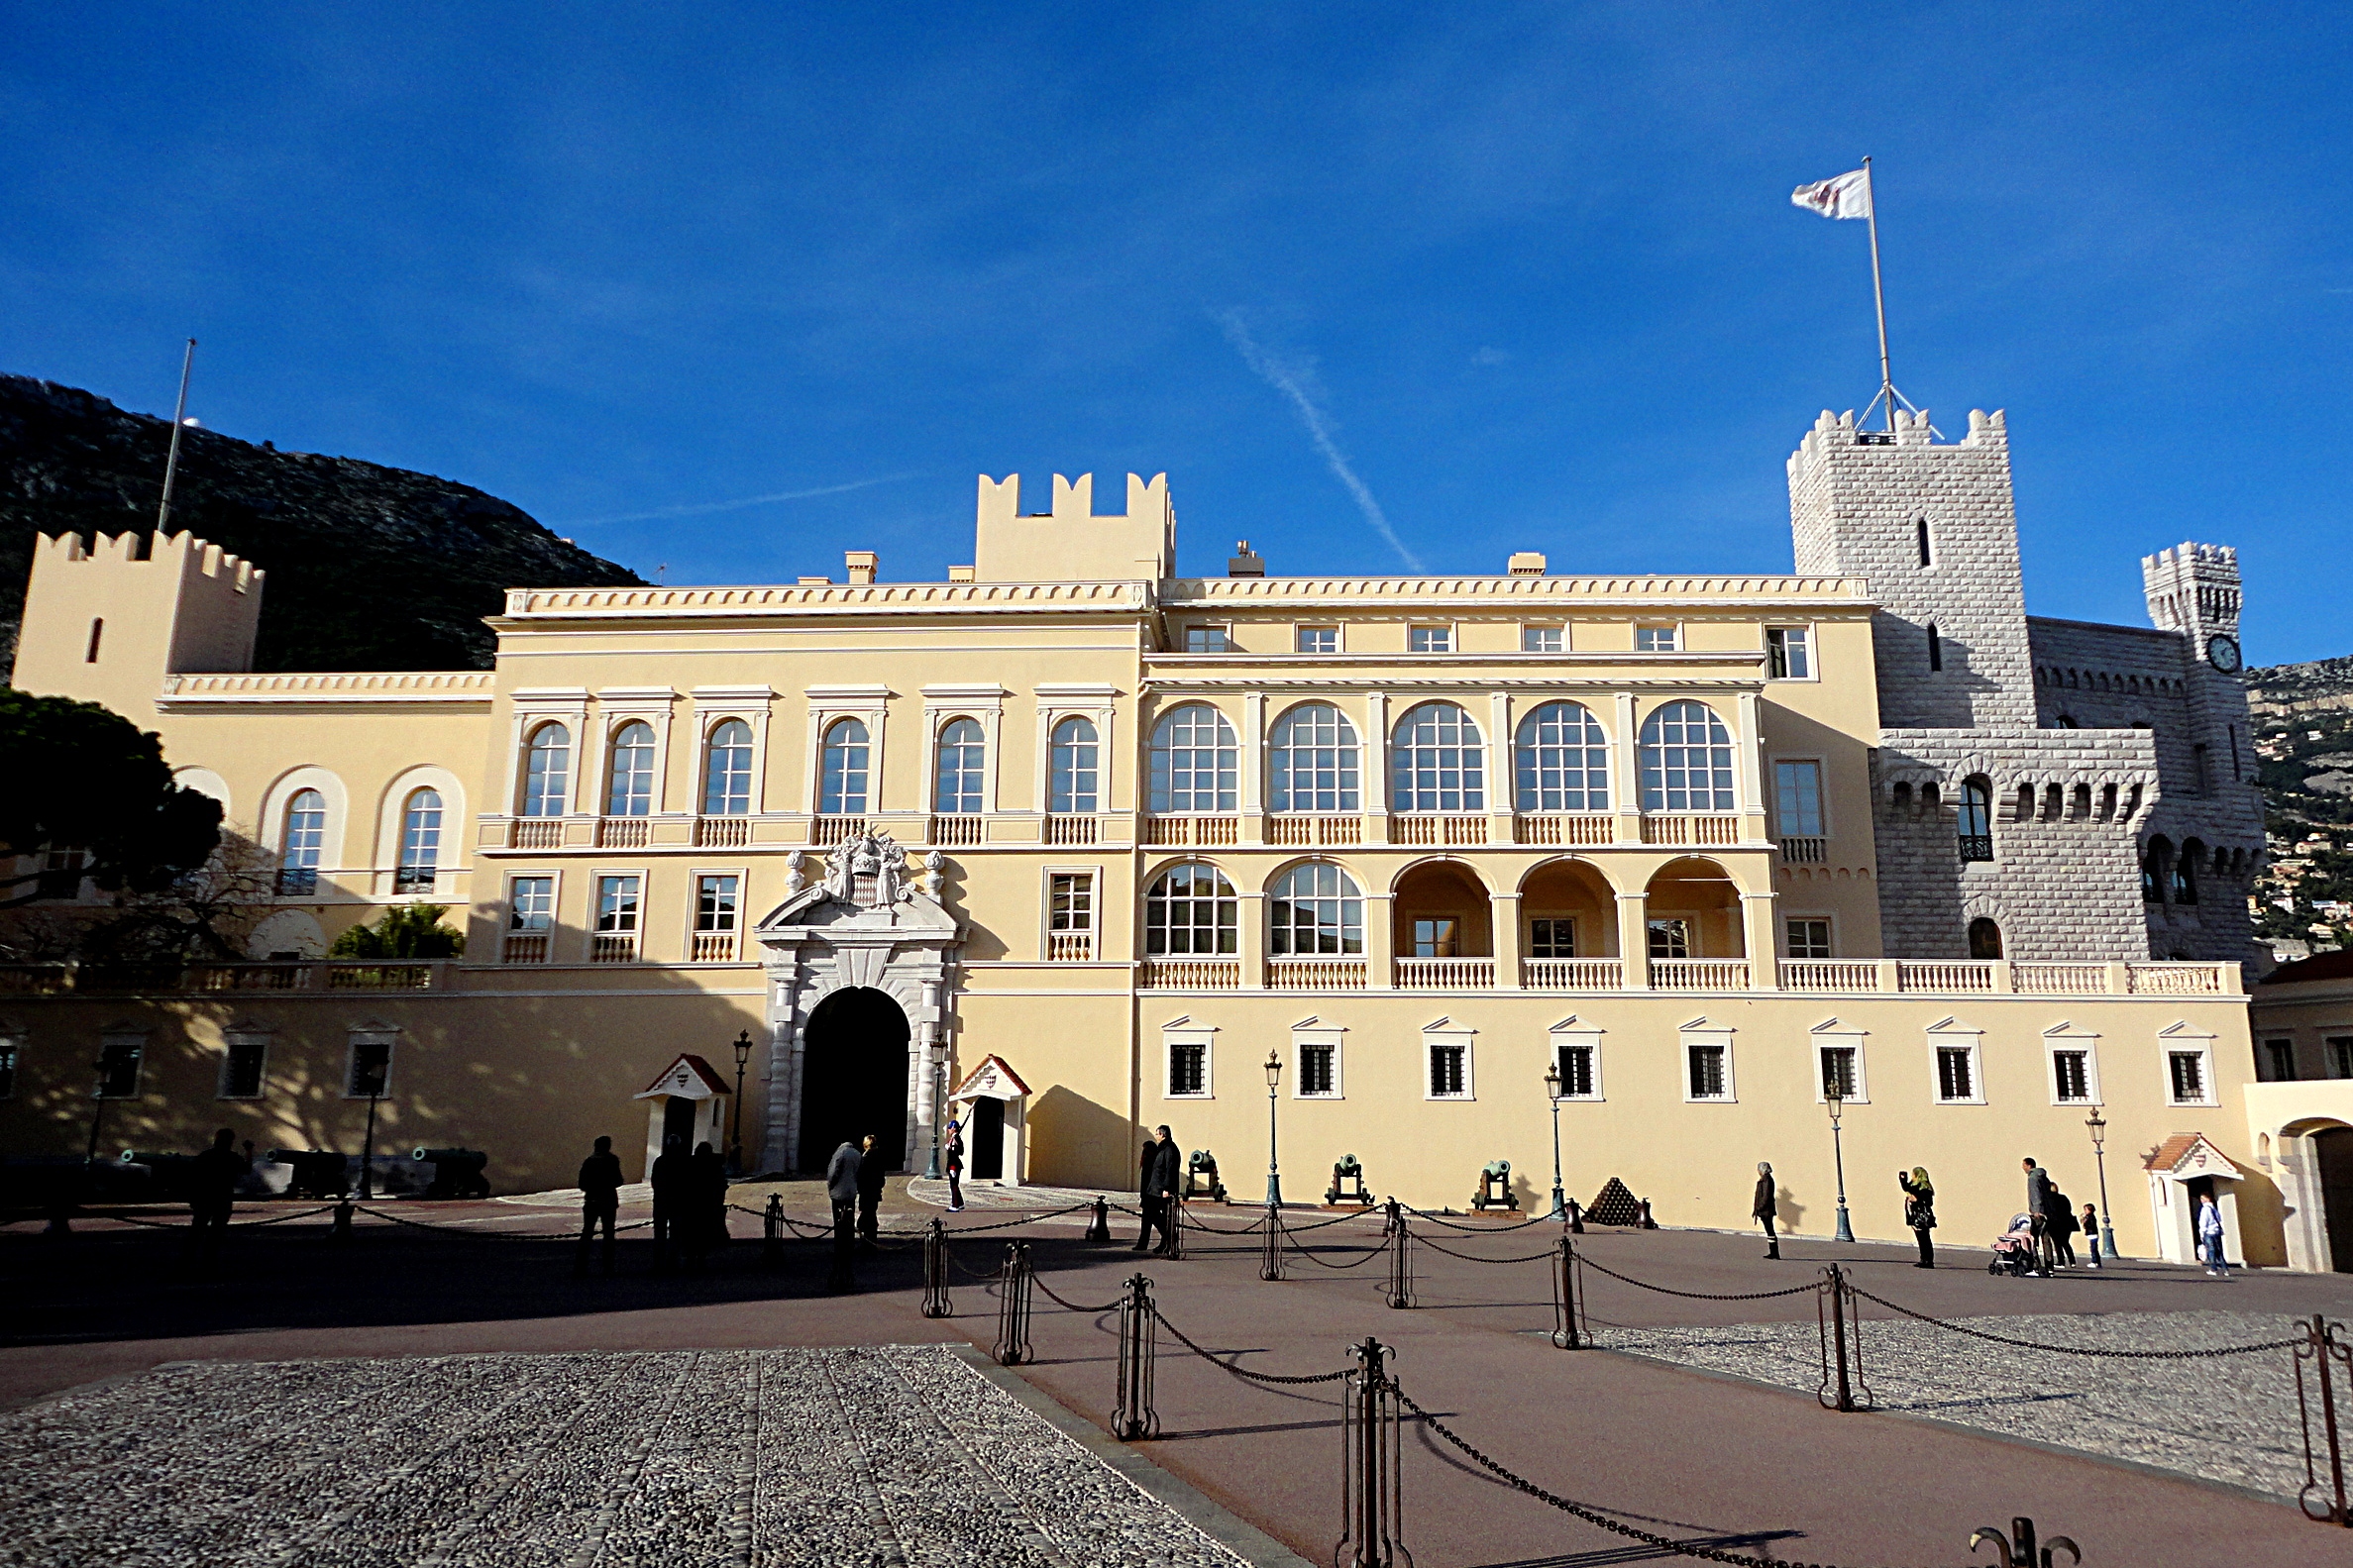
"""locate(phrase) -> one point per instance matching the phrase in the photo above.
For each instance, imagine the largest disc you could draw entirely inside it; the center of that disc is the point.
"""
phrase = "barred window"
(546, 772)
(1438, 762)
(1315, 909)
(842, 770)
(1705, 1065)
(1312, 760)
(1448, 1078)
(727, 770)
(1564, 760)
(958, 769)
(1955, 1073)
(2071, 1075)
(1196, 762)
(1188, 1068)
(1576, 1065)
(1191, 910)
(1072, 770)
(1316, 1075)
(629, 783)
(1686, 760)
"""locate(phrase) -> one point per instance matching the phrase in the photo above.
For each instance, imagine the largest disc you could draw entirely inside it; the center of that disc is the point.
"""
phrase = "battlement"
(2193, 588)
(198, 556)
(106, 622)
(1838, 432)
(1070, 543)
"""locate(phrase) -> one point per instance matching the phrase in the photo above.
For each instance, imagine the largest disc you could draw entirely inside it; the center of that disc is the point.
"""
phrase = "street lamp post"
(2108, 1222)
(743, 1060)
(1552, 1093)
(1275, 1175)
(939, 1088)
(1834, 1094)
(97, 1114)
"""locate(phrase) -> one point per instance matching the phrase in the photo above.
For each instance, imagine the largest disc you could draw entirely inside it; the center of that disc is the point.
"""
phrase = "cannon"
(166, 1174)
(318, 1173)
(1495, 1188)
(1345, 1171)
(456, 1173)
(1200, 1167)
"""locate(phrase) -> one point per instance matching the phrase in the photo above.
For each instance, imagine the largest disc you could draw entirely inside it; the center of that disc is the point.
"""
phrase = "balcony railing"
(1969, 976)
(1572, 974)
(1192, 974)
(2059, 979)
(613, 947)
(1685, 828)
(723, 832)
(826, 830)
(1829, 974)
(955, 831)
(1804, 849)
(1568, 827)
(1315, 973)
(1301, 830)
(1446, 974)
(2175, 980)
(624, 832)
(1699, 974)
(415, 878)
(535, 832)
(524, 947)
(1438, 830)
(1976, 846)
(714, 947)
(296, 882)
(1062, 828)
(1070, 947)
(1205, 832)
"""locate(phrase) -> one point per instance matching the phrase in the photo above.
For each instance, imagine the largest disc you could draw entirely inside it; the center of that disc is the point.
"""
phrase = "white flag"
(1848, 196)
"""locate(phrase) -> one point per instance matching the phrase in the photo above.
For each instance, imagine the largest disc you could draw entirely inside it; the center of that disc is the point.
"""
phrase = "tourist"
(2090, 1225)
(841, 1185)
(212, 1191)
(672, 1181)
(707, 1178)
(2209, 1239)
(1156, 1192)
(2038, 1208)
(1919, 1211)
(870, 1189)
(1765, 1208)
(600, 1201)
(955, 1154)
(2062, 1227)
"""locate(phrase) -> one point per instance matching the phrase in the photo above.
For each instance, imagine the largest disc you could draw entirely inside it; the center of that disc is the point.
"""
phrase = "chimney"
(960, 573)
(1245, 562)
(861, 564)
(1525, 564)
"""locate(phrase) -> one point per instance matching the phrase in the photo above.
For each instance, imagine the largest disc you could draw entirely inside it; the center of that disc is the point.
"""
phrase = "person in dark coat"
(706, 1222)
(2062, 1227)
(870, 1189)
(671, 1178)
(600, 1201)
(955, 1155)
(1156, 1192)
(212, 1191)
(1919, 1211)
(841, 1186)
(2038, 1207)
(1764, 1208)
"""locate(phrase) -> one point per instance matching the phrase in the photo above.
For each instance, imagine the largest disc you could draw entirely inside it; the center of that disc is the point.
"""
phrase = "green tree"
(80, 776)
(410, 931)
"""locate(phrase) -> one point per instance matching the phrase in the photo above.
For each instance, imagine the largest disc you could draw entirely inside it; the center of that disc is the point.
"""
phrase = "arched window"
(1438, 762)
(1563, 761)
(1977, 819)
(1312, 762)
(957, 769)
(2184, 883)
(1195, 760)
(2156, 867)
(727, 770)
(301, 844)
(841, 779)
(1686, 760)
(546, 772)
(1313, 909)
(1191, 910)
(1072, 771)
(629, 783)
(420, 842)
(1984, 939)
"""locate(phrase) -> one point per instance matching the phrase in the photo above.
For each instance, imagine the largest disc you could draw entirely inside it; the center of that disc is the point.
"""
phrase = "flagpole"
(179, 412)
(1879, 293)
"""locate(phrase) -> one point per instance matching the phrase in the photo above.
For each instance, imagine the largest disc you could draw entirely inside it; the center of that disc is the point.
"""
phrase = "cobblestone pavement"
(2230, 1419)
(884, 1455)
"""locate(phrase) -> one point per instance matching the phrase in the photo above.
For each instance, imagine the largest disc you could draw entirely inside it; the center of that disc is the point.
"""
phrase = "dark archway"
(1984, 939)
(2332, 1153)
(853, 1077)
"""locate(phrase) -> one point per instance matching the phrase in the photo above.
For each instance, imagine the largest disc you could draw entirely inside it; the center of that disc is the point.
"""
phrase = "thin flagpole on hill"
(179, 412)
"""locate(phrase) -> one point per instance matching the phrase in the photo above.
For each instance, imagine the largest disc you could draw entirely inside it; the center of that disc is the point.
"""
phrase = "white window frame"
(643, 928)
(2180, 1039)
(532, 707)
(714, 706)
(1813, 652)
(1184, 1032)
(615, 707)
(1559, 627)
(1448, 1034)
(1223, 630)
(1950, 1034)
(1826, 917)
(138, 1038)
(1447, 629)
(984, 704)
(2067, 1037)
(1316, 1032)
(1094, 703)
(1700, 1032)
(1833, 1035)
(692, 911)
(555, 876)
(1673, 629)
(1339, 638)
(233, 1037)
(386, 1035)
(869, 704)
(1773, 775)
(1045, 910)
(1570, 1032)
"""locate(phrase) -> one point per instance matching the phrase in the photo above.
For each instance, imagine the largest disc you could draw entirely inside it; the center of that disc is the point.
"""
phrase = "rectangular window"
(1936, 649)
(242, 1068)
(715, 904)
(8, 1061)
(1838, 1069)
(2186, 1076)
(1809, 938)
(371, 1076)
(2279, 1061)
(1797, 798)
(119, 1061)
(1318, 640)
(1577, 1078)
(2340, 1055)
(1789, 653)
(1655, 639)
(1434, 938)
(1070, 915)
(1449, 1072)
(1429, 639)
(1188, 1068)
(1956, 1074)
(2071, 1077)
(1552, 936)
(531, 901)
(616, 905)
(1670, 938)
(1207, 640)
(1707, 1078)
(1316, 1070)
(1543, 638)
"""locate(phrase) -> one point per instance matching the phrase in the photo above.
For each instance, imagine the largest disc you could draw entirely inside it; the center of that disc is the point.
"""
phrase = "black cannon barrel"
(456, 1173)
(468, 1157)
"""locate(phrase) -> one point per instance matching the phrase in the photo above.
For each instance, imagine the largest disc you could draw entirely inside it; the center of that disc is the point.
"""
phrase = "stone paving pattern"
(885, 1455)
(2229, 1419)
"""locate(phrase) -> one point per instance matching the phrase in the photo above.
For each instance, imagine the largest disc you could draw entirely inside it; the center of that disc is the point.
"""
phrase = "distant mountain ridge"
(371, 568)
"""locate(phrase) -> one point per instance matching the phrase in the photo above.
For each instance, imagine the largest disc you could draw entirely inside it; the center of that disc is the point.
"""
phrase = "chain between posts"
(1840, 1327)
(1371, 1464)
(1132, 1414)
(1012, 1306)
(2324, 1353)
(2074, 1350)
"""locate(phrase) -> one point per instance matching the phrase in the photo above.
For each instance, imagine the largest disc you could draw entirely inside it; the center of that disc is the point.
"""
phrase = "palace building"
(1070, 845)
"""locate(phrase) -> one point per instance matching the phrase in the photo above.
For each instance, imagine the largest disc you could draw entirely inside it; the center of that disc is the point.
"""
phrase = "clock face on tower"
(2224, 654)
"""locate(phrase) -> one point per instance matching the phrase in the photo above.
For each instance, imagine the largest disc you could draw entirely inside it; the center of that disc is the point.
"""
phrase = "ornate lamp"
(1275, 1175)
(743, 1060)
(1552, 1094)
(1834, 1094)
(2108, 1222)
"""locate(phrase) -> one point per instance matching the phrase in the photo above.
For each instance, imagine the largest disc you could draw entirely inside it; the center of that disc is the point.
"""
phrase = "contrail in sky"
(1275, 373)
(697, 508)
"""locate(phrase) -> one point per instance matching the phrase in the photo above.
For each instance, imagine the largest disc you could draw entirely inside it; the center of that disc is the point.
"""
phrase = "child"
(2091, 1223)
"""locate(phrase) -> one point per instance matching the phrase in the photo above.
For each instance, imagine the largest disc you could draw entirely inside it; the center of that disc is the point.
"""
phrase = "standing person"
(212, 1191)
(1919, 1211)
(2209, 1239)
(671, 1177)
(1156, 1191)
(2090, 1225)
(955, 1159)
(2038, 1208)
(707, 1221)
(600, 1201)
(1765, 1208)
(841, 1185)
(2062, 1227)
(870, 1191)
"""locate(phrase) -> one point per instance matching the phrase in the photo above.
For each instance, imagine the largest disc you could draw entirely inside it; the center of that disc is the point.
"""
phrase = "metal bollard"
(1576, 1218)
(1100, 1228)
(771, 1230)
(1647, 1223)
(1132, 1415)
(1840, 1322)
(1270, 1255)
(936, 1271)
(1400, 1293)
(1012, 1306)
(1571, 1331)
(1372, 1502)
(2324, 1353)
(2017, 1549)
(342, 1228)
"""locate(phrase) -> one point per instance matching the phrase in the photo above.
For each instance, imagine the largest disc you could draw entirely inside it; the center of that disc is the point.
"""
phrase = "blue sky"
(1530, 272)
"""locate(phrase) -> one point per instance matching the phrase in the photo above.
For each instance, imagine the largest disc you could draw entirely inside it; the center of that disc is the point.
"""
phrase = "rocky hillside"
(2304, 736)
(369, 568)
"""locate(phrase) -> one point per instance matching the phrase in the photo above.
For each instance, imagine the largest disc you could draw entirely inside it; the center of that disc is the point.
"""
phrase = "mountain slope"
(369, 568)
(2303, 729)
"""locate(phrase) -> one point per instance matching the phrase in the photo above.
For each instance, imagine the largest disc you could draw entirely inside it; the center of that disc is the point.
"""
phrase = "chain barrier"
(936, 1272)
(1067, 1306)
(1530, 1257)
(1186, 1221)
(1013, 1307)
(1702, 1296)
(1270, 1252)
(1570, 1331)
(1271, 1378)
(1841, 1330)
(771, 1230)
(1132, 1414)
(2324, 1353)
(1400, 1293)
(1100, 1228)
(2078, 1350)
(486, 1235)
(1379, 1249)
(1476, 1230)
(1336, 1219)
(1371, 1464)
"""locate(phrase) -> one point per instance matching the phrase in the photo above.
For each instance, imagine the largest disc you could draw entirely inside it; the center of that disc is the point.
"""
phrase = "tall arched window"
(2184, 883)
(302, 843)
(1563, 761)
(629, 781)
(1977, 819)
(1195, 760)
(958, 768)
(546, 772)
(727, 770)
(1072, 771)
(1313, 909)
(1312, 762)
(841, 779)
(1191, 910)
(2156, 868)
(1438, 762)
(1686, 760)
(420, 843)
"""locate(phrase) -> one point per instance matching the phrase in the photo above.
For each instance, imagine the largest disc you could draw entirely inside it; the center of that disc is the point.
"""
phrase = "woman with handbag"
(1919, 1211)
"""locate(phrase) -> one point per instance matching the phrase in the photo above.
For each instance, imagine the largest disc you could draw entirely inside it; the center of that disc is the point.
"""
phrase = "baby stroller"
(2013, 1250)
